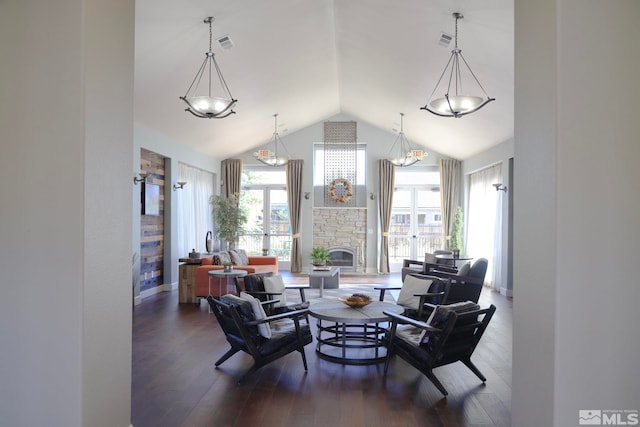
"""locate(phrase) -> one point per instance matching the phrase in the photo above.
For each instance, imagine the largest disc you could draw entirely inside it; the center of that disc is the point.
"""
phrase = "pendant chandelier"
(459, 103)
(205, 104)
(273, 157)
(404, 154)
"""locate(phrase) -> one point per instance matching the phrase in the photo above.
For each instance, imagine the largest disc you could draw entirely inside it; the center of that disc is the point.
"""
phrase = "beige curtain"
(449, 193)
(294, 199)
(386, 178)
(231, 176)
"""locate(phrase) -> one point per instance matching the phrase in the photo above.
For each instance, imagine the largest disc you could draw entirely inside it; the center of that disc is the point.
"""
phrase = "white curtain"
(484, 235)
(194, 210)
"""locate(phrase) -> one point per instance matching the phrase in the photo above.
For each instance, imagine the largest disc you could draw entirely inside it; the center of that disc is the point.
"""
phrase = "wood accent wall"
(152, 226)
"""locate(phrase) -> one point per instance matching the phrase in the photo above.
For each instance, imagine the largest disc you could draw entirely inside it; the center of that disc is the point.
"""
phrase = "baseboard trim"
(166, 287)
(506, 292)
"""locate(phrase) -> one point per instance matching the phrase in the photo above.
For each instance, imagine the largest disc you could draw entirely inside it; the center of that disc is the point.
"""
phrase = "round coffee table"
(353, 335)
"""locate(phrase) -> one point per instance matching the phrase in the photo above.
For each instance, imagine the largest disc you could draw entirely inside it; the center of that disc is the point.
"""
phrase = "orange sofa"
(257, 264)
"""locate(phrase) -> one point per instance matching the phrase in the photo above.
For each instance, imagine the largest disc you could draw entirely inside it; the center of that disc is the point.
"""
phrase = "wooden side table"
(227, 275)
(187, 279)
(327, 276)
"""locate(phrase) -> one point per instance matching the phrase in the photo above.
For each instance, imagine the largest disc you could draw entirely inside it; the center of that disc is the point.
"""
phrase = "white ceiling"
(308, 60)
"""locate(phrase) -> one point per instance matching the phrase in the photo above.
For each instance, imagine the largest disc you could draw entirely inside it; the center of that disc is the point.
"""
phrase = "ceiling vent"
(445, 39)
(225, 42)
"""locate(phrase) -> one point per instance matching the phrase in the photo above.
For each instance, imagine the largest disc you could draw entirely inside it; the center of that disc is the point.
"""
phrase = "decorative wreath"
(346, 194)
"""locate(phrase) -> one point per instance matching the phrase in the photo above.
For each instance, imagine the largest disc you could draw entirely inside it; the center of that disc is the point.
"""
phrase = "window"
(319, 167)
(194, 210)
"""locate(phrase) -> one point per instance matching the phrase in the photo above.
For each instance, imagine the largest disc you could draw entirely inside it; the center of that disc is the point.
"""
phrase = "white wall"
(576, 341)
(66, 120)
(300, 146)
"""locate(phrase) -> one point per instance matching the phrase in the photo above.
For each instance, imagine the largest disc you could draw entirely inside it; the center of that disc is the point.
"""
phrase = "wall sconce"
(500, 187)
(143, 177)
(307, 195)
(372, 196)
(179, 185)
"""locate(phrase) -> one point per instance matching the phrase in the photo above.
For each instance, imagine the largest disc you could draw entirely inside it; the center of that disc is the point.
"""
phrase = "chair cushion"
(409, 333)
(440, 316)
(244, 306)
(258, 313)
(285, 336)
(413, 285)
(479, 268)
(254, 282)
(246, 315)
(276, 285)
(464, 270)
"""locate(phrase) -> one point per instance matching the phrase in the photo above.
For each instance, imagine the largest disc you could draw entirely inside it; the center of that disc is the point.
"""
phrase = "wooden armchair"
(418, 293)
(410, 266)
(254, 284)
(264, 338)
(450, 335)
(466, 284)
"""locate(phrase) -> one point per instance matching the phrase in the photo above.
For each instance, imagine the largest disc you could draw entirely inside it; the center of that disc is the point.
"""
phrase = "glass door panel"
(267, 232)
(416, 225)
(279, 234)
(429, 222)
(401, 231)
(253, 240)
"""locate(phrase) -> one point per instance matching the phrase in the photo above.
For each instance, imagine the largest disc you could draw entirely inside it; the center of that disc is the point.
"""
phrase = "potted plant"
(228, 267)
(320, 256)
(229, 218)
(455, 241)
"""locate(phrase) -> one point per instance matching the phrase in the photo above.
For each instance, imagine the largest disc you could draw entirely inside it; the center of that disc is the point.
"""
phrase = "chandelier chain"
(456, 37)
(211, 35)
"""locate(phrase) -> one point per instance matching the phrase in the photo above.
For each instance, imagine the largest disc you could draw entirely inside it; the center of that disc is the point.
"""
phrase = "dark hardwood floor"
(175, 383)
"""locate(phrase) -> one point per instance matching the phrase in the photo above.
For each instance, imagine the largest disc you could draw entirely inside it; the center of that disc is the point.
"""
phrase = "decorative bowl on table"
(356, 300)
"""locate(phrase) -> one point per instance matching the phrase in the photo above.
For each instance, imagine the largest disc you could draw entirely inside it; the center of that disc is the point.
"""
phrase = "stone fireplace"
(343, 231)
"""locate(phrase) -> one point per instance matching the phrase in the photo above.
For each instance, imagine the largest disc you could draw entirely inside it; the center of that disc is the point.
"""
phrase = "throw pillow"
(464, 270)
(430, 258)
(243, 258)
(413, 285)
(235, 258)
(224, 257)
(276, 285)
(215, 260)
(258, 313)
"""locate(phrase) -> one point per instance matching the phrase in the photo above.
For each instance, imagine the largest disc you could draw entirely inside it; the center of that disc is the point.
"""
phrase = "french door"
(267, 229)
(416, 224)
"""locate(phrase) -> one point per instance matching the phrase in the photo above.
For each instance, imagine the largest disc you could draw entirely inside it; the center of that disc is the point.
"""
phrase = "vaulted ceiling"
(308, 60)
